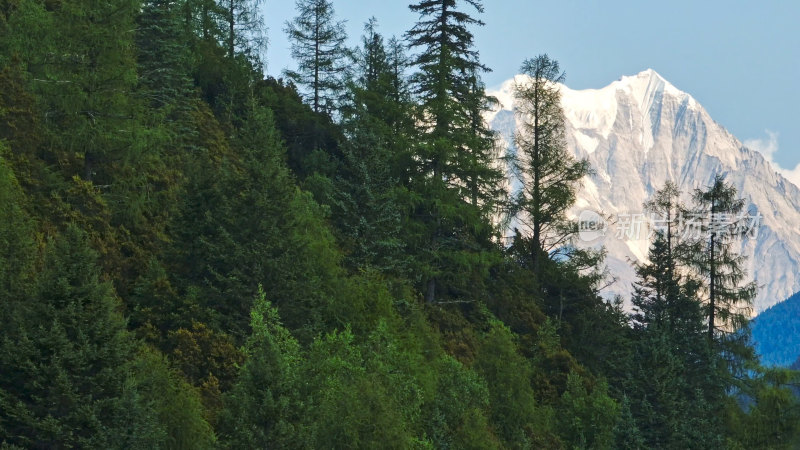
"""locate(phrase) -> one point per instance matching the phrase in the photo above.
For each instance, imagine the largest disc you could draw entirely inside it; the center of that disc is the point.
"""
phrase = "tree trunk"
(712, 282)
(430, 293)
(231, 31)
(537, 200)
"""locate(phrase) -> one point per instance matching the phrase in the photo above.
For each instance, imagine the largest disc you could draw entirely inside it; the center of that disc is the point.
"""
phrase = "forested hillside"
(776, 333)
(194, 255)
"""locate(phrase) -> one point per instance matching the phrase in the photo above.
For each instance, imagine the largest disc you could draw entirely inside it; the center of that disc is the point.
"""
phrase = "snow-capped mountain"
(641, 131)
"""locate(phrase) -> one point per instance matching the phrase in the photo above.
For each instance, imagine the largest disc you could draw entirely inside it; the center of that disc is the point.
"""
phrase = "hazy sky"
(740, 59)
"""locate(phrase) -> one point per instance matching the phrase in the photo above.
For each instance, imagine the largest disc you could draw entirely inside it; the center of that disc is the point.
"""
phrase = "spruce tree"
(264, 408)
(163, 59)
(318, 47)
(86, 87)
(243, 222)
(17, 243)
(666, 293)
(453, 181)
(726, 296)
(376, 120)
(66, 358)
(680, 403)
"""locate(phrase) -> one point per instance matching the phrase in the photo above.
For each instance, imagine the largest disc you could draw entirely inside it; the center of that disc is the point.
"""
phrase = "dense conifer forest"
(194, 255)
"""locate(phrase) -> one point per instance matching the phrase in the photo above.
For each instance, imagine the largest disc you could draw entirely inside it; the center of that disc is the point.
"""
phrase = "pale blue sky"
(739, 59)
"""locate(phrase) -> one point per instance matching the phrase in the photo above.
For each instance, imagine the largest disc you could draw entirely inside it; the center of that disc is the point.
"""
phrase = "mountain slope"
(776, 333)
(640, 132)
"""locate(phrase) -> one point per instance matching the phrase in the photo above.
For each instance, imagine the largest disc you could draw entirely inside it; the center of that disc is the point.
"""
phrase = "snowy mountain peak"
(648, 87)
(640, 132)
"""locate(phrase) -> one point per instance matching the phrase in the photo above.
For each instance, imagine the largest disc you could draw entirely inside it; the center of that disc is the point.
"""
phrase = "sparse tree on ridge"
(318, 47)
(244, 29)
(729, 299)
(549, 174)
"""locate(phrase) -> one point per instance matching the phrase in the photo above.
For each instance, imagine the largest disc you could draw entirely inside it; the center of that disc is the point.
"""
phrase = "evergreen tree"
(242, 223)
(264, 407)
(453, 183)
(87, 84)
(587, 416)
(245, 32)
(514, 412)
(318, 47)
(349, 405)
(202, 22)
(549, 174)
(376, 120)
(771, 418)
(176, 404)
(626, 432)
(66, 378)
(456, 417)
(728, 299)
(17, 243)
(163, 59)
(681, 402)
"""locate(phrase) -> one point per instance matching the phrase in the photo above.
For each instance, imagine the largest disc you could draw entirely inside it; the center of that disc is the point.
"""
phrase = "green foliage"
(245, 29)
(549, 174)
(513, 409)
(587, 417)
(67, 358)
(457, 416)
(305, 134)
(683, 400)
(367, 202)
(264, 406)
(728, 298)
(154, 186)
(244, 223)
(627, 435)
(452, 180)
(318, 46)
(175, 403)
(208, 359)
(770, 419)
(350, 405)
(17, 241)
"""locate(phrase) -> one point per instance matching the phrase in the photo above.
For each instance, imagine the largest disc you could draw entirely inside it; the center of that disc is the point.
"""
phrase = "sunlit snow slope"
(641, 131)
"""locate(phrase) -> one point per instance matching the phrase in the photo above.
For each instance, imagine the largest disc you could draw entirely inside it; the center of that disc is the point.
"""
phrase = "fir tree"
(453, 181)
(66, 379)
(163, 57)
(17, 243)
(264, 407)
(685, 405)
(728, 298)
(375, 118)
